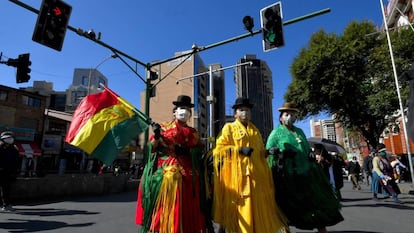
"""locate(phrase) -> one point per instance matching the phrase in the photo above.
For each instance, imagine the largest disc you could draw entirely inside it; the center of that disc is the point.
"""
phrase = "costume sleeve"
(224, 140)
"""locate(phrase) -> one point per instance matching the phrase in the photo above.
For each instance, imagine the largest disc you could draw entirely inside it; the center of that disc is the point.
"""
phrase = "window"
(31, 101)
(3, 94)
(85, 80)
(101, 81)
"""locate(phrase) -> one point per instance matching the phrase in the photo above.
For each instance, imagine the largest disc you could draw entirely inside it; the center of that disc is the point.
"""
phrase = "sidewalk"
(406, 187)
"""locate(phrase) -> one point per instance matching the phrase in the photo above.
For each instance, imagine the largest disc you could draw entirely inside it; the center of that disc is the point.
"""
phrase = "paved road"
(115, 213)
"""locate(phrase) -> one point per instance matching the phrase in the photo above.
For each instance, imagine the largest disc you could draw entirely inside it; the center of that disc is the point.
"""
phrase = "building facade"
(182, 77)
(85, 82)
(21, 112)
(399, 13)
(255, 82)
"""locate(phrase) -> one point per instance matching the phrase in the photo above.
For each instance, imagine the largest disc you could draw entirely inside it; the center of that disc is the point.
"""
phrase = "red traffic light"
(52, 23)
(57, 11)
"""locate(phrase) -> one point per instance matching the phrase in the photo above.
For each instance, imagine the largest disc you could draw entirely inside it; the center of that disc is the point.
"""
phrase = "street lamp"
(96, 67)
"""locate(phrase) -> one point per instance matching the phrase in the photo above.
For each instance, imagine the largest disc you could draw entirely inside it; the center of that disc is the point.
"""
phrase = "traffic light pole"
(148, 66)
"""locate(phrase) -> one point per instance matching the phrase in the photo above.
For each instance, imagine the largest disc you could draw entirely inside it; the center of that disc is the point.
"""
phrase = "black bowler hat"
(183, 101)
(242, 102)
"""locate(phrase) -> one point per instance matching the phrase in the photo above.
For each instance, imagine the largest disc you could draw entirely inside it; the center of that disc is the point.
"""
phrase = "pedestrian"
(303, 191)
(383, 181)
(169, 195)
(8, 168)
(398, 167)
(367, 165)
(354, 169)
(243, 194)
(332, 165)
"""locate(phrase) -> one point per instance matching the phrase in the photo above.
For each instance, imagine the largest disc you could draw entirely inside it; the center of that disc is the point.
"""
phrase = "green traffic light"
(271, 36)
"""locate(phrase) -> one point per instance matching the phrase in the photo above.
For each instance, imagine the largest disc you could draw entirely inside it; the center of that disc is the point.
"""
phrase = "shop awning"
(28, 148)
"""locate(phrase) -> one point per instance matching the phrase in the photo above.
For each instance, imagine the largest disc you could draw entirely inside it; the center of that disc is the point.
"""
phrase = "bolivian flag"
(103, 124)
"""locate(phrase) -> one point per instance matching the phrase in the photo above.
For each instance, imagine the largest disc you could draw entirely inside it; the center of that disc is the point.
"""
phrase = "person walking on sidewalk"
(8, 168)
(383, 181)
(367, 165)
(354, 169)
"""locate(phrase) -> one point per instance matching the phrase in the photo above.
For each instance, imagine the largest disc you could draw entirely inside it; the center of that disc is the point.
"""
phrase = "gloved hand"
(156, 128)
(382, 176)
(247, 151)
(273, 151)
(181, 150)
(289, 153)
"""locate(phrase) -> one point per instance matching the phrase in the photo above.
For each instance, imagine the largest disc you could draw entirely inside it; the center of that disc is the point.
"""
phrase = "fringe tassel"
(167, 200)
(227, 176)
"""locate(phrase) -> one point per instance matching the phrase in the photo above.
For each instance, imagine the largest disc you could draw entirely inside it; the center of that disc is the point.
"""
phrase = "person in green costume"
(303, 191)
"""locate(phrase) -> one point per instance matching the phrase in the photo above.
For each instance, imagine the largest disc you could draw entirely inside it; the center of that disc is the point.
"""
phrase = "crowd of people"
(244, 184)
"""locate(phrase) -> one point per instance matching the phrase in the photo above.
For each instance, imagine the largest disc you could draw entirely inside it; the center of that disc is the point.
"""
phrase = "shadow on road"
(23, 225)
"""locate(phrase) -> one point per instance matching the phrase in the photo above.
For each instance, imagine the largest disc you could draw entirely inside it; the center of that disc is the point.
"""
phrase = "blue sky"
(155, 30)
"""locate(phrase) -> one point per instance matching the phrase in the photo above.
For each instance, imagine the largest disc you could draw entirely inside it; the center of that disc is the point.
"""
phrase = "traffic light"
(272, 26)
(248, 23)
(23, 70)
(22, 64)
(52, 23)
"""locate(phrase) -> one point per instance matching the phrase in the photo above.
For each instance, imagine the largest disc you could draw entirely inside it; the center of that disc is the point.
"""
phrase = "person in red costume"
(169, 192)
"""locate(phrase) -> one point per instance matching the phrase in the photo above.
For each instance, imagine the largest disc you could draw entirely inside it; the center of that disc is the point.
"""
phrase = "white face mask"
(243, 114)
(182, 114)
(9, 140)
(288, 119)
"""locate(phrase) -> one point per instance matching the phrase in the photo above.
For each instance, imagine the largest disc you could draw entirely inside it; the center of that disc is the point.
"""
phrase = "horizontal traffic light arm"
(287, 22)
(313, 14)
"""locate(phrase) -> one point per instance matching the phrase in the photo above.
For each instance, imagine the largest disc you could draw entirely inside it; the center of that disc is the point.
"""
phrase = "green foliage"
(351, 76)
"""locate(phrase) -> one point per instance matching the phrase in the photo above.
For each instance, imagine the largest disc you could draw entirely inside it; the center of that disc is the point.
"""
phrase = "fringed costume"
(302, 189)
(169, 192)
(243, 196)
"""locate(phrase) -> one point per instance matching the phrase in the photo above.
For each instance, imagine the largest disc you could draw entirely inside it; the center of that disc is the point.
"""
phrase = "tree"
(350, 76)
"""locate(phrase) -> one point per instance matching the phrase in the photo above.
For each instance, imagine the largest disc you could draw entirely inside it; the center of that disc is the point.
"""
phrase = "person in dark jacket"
(8, 168)
(367, 165)
(354, 169)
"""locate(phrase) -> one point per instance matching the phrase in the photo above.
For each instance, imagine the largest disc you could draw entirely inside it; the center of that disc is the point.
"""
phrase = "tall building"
(187, 76)
(323, 129)
(255, 83)
(85, 82)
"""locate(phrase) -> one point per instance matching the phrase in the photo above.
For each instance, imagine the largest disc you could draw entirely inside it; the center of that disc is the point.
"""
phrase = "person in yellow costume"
(243, 194)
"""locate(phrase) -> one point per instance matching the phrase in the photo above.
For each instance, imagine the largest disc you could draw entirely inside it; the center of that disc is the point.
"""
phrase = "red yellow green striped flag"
(103, 124)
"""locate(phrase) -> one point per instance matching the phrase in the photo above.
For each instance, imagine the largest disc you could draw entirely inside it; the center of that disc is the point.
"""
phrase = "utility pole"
(397, 87)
